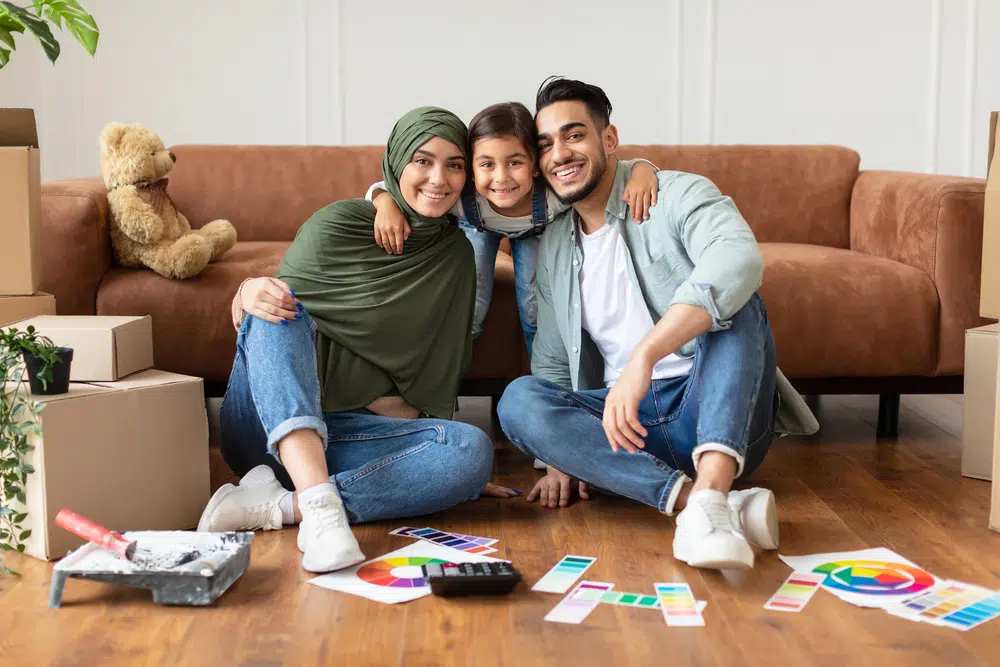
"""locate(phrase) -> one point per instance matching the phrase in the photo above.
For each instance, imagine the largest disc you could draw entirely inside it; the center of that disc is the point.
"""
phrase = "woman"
(344, 351)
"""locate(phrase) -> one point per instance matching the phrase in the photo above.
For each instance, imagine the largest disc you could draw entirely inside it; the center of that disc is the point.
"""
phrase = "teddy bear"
(146, 229)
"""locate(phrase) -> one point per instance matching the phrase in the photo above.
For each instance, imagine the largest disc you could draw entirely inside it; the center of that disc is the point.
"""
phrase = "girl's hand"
(270, 299)
(391, 226)
(497, 491)
(641, 190)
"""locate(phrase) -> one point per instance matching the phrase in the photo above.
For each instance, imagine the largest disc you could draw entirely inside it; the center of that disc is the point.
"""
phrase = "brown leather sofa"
(871, 277)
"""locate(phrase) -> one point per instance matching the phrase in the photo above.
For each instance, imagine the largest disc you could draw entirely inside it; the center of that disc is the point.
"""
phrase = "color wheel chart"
(400, 572)
(873, 577)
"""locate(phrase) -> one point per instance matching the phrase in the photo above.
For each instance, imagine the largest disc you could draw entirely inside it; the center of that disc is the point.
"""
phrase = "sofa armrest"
(76, 243)
(934, 223)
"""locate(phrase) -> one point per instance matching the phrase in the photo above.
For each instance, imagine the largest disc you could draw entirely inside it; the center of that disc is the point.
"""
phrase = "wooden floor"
(837, 491)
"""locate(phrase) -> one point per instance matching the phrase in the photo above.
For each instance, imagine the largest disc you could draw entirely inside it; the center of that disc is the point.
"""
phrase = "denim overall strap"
(539, 205)
(471, 206)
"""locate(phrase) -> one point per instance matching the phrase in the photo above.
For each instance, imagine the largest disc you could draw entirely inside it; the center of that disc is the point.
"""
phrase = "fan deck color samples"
(561, 577)
(620, 598)
(576, 606)
(467, 543)
(957, 605)
(678, 605)
(797, 590)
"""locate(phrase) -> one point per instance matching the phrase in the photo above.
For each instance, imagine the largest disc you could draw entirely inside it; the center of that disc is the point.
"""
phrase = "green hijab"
(386, 323)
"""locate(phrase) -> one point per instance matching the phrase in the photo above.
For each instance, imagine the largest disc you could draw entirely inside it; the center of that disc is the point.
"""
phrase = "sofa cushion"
(193, 331)
(788, 194)
(839, 313)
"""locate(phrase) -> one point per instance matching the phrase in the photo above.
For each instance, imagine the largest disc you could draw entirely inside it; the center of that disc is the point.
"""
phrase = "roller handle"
(92, 532)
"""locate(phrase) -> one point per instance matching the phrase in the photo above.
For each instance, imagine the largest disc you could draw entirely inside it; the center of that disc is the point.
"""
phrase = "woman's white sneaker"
(325, 535)
(756, 515)
(706, 537)
(253, 505)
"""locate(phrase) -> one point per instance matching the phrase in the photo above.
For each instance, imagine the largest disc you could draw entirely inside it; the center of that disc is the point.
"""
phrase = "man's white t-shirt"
(613, 310)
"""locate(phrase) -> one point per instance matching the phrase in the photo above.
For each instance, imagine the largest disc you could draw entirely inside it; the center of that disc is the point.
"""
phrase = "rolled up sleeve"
(728, 267)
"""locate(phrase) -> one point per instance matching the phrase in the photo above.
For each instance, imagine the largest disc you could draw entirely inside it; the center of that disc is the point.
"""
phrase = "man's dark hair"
(557, 89)
(507, 119)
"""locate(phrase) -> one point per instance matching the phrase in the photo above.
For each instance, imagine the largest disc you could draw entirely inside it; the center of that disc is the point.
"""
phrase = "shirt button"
(576, 305)
(576, 262)
(575, 350)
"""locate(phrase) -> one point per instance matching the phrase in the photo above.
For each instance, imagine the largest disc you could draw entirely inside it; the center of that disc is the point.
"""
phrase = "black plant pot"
(60, 373)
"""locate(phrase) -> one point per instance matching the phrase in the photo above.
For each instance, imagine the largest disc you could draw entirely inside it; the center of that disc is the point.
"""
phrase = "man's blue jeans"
(525, 254)
(384, 468)
(728, 400)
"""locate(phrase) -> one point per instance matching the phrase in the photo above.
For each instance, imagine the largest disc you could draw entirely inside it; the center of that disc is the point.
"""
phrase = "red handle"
(93, 532)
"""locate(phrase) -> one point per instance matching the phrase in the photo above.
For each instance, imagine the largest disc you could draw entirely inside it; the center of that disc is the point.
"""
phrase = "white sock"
(287, 506)
(314, 491)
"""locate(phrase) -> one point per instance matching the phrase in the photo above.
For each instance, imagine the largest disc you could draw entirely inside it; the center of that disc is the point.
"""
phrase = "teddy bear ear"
(112, 135)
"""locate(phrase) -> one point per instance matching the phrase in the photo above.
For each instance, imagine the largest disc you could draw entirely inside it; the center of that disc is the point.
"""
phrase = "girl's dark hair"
(557, 89)
(502, 120)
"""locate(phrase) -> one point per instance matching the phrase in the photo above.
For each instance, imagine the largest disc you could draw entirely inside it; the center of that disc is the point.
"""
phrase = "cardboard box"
(979, 406)
(17, 308)
(995, 500)
(105, 347)
(20, 203)
(130, 455)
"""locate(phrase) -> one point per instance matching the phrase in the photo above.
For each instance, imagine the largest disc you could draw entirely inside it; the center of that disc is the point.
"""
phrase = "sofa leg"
(888, 416)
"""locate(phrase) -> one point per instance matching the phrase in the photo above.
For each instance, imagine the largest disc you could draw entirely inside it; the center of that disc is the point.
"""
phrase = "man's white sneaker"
(325, 536)
(706, 537)
(253, 505)
(756, 516)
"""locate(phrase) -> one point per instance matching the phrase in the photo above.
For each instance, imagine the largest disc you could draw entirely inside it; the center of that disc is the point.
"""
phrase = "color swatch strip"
(678, 605)
(576, 606)
(797, 590)
(564, 574)
(955, 605)
(468, 543)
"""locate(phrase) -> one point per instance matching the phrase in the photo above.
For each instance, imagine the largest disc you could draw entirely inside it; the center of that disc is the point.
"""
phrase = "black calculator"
(450, 579)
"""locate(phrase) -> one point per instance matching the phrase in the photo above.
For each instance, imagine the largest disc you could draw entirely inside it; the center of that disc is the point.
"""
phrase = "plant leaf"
(28, 468)
(11, 572)
(6, 37)
(5, 547)
(4, 56)
(25, 534)
(37, 27)
(18, 518)
(20, 548)
(79, 23)
(6, 511)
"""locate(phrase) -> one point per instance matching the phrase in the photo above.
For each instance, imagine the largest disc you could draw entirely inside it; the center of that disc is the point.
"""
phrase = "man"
(654, 371)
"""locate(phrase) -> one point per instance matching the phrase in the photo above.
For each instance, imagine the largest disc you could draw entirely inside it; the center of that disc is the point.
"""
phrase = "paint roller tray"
(223, 558)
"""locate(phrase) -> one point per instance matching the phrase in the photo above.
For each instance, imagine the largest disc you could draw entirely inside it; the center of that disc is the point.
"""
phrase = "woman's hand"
(556, 489)
(391, 226)
(641, 191)
(497, 491)
(270, 299)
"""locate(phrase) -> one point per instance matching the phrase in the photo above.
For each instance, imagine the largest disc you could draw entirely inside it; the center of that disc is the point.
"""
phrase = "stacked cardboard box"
(127, 446)
(989, 305)
(20, 219)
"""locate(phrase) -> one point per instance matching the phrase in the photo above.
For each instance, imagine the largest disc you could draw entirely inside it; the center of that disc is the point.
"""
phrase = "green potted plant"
(18, 19)
(48, 367)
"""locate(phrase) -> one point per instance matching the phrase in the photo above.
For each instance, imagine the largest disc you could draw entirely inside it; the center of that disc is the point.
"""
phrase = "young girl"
(509, 199)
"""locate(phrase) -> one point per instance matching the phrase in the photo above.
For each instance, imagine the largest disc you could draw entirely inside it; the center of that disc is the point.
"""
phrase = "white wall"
(907, 83)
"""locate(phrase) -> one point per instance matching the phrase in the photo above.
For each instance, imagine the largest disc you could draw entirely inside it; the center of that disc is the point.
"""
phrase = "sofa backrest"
(789, 194)
(267, 192)
(793, 194)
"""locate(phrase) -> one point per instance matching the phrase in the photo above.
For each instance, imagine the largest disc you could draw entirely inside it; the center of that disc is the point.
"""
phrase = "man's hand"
(621, 407)
(556, 489)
